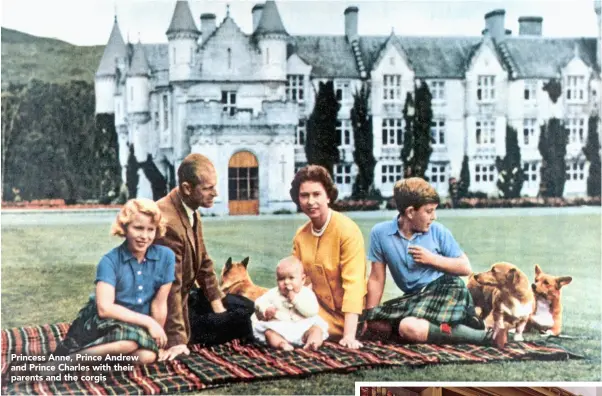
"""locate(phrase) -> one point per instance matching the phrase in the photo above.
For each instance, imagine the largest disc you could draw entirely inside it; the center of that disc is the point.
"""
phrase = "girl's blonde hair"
(138, 205)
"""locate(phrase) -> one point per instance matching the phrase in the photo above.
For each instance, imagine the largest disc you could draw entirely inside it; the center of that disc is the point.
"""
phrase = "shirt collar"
(394, 229)
(126, 255)
(189, 212)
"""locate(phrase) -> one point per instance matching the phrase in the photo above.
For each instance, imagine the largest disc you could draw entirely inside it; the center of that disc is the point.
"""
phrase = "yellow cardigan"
(335, 263)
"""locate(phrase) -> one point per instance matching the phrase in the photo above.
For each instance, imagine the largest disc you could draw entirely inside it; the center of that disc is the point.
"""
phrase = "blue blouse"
(136, 283)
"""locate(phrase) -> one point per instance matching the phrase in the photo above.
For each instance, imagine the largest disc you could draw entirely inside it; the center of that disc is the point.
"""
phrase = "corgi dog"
(236, 280)
(505, 292)
(547, 312)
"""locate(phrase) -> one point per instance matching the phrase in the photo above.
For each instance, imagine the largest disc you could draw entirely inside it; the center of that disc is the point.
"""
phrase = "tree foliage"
(553, 140)
(321, 144)
(156, 178)
(592, 154)
(510, 171)
(363, 155)
(464, 182)
(416, 153)
(131, 173)
(51, 143)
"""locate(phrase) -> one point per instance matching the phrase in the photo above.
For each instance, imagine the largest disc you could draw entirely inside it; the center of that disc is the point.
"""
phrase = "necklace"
(319, 232)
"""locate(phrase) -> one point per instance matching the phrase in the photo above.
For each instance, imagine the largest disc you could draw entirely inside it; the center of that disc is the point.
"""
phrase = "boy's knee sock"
(445, 334)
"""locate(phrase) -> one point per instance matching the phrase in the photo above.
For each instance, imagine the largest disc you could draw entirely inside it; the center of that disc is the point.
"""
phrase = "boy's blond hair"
(138, 205)
(414, 192)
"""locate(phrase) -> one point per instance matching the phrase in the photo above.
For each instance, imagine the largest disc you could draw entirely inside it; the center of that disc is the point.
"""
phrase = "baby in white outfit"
(287, 315)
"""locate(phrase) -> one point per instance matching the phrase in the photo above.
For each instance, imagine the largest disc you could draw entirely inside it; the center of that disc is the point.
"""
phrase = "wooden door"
(243, 184)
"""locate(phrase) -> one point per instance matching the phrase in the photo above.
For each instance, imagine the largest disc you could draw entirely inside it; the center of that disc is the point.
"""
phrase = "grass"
(48, 272)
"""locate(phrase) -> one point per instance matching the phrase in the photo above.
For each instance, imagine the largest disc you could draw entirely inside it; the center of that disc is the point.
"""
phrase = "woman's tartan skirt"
(90, 330)
(445, 300)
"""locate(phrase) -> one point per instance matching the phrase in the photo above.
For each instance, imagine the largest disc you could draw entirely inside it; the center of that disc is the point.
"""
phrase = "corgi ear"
(563, 281)
(537, 270)
(245, 262)
(228, 264)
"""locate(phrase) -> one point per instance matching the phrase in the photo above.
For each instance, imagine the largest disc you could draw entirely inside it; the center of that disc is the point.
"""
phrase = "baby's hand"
(269, 313)
(290, 296)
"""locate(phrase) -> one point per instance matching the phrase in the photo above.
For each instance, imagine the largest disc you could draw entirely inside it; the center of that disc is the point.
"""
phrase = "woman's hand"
(157, 333)
(350, 342)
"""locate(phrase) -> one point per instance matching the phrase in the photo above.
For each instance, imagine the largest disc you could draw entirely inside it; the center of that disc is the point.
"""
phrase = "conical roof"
(182, 20)
(115, 48)
(270, 21)
(139, 66)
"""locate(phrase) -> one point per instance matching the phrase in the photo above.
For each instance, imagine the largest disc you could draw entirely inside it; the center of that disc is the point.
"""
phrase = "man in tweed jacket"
(195, 306)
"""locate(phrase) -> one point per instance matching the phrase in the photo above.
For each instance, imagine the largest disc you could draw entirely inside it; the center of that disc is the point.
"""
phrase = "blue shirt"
(136, 283)
(390, 247)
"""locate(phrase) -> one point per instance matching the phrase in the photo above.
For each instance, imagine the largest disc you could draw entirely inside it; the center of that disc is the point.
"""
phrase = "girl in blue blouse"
(128, 312)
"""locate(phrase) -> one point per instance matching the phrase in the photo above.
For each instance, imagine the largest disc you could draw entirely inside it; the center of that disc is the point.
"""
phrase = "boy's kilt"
(445, 300)
(89, 330)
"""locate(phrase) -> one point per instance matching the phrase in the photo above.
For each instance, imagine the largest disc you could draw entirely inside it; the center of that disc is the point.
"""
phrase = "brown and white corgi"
(547, 312)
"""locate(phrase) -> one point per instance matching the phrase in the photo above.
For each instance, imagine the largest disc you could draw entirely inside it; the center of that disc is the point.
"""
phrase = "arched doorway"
(243, 184)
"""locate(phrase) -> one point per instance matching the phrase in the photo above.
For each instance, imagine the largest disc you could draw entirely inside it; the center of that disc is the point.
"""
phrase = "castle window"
(301, 131)
(484, 173)
(530, 90)
(576, 127)
(131, 93)
(437, 89)
(342, 174)
(531, 174)
(392, 132)
(165, 112)
(342, 89)
(486, 88)
(295, 88)
(392, 88)
(229, 58)
(438, 132)
(529, 125)
(575, 88)
(575, 170)
(437, 175)
(344, 136)
(229, 102)
(485, 132)
(173, 52)
(156, 117)
(390, 173)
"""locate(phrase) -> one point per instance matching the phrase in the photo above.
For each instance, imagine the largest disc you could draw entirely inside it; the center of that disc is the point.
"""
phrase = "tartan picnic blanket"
(232, 362)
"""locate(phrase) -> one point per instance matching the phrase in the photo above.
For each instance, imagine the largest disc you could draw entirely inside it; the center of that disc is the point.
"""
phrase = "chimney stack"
(351, 23)
(494, 24)
(256, 11)
(207, 25)
(529, 26)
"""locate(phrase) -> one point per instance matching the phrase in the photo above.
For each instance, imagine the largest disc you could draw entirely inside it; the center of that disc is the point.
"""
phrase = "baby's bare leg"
(313, 338)
(275, 340)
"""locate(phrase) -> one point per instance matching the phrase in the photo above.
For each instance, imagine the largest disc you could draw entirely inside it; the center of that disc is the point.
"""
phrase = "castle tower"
(182, 35)
(137, 83)
(598, 8)
(105, 80)
(272, 39)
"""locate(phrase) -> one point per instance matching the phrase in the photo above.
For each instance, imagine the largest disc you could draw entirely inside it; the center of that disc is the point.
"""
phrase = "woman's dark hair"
(313, 173)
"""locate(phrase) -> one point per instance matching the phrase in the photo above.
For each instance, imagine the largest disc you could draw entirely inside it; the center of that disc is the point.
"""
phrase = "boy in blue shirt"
(426, 263)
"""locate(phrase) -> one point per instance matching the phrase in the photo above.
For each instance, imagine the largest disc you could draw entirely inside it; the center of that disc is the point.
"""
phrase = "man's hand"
(218, 306)
(173, 352)
(269, 313)
(422, 255)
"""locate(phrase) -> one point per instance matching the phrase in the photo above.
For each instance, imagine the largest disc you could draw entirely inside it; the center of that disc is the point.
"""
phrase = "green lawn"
(48, 273)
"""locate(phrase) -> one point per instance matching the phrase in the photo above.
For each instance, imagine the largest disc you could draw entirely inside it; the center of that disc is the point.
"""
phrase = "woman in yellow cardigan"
(331, 248)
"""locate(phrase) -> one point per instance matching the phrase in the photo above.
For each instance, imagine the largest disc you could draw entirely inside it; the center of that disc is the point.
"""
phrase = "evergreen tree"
(592, 154)
(553, 140)
(363, 155)
(422, 130)
(510, 172)
(157, 180)
(131, 174)
(321, 144)
(408, 135)
(464, 182)
(107, 157)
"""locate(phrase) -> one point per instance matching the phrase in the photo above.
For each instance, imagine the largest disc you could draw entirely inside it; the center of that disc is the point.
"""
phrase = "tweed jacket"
(193, 267)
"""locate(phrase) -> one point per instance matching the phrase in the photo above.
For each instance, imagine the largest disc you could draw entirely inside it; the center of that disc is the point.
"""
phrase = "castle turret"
(182, 35)
(137, 83)
(105, 80)
(598, 8)
(272, 40)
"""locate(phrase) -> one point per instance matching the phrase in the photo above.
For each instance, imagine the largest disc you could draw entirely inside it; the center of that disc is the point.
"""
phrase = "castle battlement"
(212, 113)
